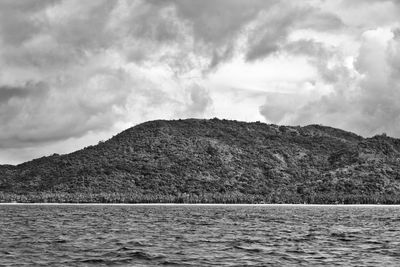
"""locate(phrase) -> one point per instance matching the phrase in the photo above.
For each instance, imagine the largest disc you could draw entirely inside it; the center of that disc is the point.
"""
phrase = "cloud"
(73, 69)
(9, 93)
(272, 29)
(200, 101)
(14, 98)
(17, 21)
(216, 22)
(50, 111)
(280, 107)
(364, 99)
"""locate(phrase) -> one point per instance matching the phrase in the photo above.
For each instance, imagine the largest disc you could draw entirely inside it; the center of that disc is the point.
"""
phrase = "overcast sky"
(75, 72)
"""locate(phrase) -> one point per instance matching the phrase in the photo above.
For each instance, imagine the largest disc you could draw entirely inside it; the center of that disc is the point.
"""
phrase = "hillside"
(215, 161)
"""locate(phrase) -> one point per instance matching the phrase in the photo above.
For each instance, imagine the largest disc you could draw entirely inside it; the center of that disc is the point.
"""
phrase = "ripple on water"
(198, 235)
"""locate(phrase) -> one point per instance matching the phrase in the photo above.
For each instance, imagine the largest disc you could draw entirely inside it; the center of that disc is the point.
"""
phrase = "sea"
(199, 235)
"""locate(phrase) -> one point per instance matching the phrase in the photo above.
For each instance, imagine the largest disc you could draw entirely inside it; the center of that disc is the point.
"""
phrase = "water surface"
(197, 235)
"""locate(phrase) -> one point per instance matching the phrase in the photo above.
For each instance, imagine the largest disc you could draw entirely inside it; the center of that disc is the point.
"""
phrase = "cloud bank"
(75, 72)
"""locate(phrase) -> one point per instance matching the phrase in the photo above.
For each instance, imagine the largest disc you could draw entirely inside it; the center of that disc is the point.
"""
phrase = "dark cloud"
(270, 36)
(152, 21)
(56, 36)
(30, 89)
(321, 21)
(357, 3)
(17, 20)
(39, 113)
(320, 55)
(264, 47)
(218, 26)
(161, 31)
(13, 97)
(218, 22)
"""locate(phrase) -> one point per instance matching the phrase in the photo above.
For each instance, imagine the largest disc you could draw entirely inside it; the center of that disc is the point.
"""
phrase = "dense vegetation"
(215, 161)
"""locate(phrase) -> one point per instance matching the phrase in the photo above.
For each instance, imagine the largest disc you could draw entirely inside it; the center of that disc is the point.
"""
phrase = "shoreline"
(197, 204)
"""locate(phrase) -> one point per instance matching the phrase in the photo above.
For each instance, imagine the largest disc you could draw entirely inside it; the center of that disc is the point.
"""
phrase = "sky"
(73, 73)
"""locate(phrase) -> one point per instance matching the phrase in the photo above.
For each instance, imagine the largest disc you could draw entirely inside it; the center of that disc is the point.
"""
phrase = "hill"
(215, 161)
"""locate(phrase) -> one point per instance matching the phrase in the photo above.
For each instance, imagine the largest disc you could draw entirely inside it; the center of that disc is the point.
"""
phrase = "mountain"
(215, 161)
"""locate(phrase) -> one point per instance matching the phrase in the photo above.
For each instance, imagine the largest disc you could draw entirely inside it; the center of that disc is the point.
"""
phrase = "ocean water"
(192, 235)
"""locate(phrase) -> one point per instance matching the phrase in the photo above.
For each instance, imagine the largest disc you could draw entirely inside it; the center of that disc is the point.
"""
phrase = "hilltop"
(215, 161)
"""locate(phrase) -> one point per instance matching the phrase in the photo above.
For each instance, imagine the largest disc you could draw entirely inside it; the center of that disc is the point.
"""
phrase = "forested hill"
(215, 161)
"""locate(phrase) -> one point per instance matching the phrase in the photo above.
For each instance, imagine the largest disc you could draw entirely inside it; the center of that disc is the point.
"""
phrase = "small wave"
(93, 261)
(296, 251)
(60, 241)
(115, 257)
(344, 237)
(338, 234)
(131, 243)
(107, 260)
(124, 248)
(251, 249)
(374, 242)
(172, 263)
(145, 256)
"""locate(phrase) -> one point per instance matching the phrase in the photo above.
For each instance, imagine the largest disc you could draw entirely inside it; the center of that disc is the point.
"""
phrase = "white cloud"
(365, 98)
